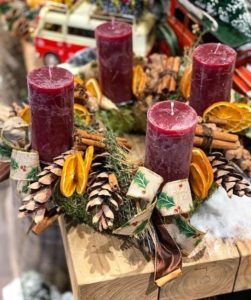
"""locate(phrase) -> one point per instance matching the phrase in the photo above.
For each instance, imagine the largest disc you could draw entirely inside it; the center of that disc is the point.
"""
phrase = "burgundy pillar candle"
(169, 139)
(213, 66)
(115, 59)
(51, 102)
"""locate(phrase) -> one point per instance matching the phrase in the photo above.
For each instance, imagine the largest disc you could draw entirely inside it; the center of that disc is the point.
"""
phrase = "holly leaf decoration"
(140, 180)
(184, 227)
(141, 227)
(25, 188)
(14, 164)
(32, 175)
(165, 201)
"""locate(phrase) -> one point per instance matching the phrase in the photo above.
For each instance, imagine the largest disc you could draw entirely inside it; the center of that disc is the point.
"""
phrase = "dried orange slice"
(224, 111)
(25, 114)
(94, 89)
(68, 177)
(83, 113)
(198, 181)
(139, 81)
(199, 157)
(88, 158)
(82, 175)
(245, 111)
(185, 82)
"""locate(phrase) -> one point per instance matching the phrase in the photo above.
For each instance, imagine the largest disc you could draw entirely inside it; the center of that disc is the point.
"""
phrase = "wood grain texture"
(211, 271)
(100, 269)
(243, 278)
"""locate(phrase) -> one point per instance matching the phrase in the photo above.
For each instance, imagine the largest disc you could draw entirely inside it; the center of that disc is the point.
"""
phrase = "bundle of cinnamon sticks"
(215, 138)
(83, 139)
(162, 73)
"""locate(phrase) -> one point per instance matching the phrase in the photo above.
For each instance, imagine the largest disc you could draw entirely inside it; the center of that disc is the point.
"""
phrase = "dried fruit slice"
(68, 178)
(94, 89)
(198, 181)
(139, 81)
(82, 176)
(88, 158)
(83, 113)
(25, 114)
(185, 82)
(245, 111)
(224, 111)
(199, 157)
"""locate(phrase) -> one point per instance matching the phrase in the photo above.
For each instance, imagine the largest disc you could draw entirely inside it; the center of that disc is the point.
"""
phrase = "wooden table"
(99, 269)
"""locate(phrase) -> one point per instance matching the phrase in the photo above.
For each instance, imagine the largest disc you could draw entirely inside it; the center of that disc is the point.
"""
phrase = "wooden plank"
(211, 274)
(100, 269)
(243, 279)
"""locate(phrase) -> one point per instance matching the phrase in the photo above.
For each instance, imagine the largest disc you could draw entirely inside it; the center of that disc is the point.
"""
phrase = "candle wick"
(217, 48)
(172, 108)
(50, 75)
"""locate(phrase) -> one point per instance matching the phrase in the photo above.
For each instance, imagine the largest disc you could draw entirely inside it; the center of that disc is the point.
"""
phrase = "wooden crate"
(99, 269)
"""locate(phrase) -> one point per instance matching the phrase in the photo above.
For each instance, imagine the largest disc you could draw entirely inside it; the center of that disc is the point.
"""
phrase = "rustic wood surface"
(243, 278)
(99, 269)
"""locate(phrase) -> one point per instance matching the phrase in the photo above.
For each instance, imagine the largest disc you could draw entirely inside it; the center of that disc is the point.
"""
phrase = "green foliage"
(74, 207)
(164, 201)
(140, 180)
(14, 164)
(119, 121)
(117, 159)
(32, 175)
(141, 227)
(25, 188)
(78, 122)
(184, 227)
(5, 151)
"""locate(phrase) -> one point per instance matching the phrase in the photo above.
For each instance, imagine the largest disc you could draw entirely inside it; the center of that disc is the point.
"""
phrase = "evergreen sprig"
(5, 151)
(73, 208)
(117, 159)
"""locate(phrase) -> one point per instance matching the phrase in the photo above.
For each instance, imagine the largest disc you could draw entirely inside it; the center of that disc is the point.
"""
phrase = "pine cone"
(104, 195)
(37, 202)
(226, 175)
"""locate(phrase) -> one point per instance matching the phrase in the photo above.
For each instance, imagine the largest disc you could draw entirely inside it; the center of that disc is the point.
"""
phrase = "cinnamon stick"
(216, 144)
(100, 138)
(216, 134)
(94, 143)
(45, 223)
(217, 121)
(175, 69)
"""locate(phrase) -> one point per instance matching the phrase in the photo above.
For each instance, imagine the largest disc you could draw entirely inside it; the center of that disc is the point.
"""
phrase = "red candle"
(51, 102)
(213, 66)
(115, 59)
(169, 139)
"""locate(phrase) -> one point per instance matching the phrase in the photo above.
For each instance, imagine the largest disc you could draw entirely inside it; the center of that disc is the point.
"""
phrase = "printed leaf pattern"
(140, 180)
(14, 164)
(140, 228)
(184, 227)
(32, 175)
(25, 188)
(165, 201)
